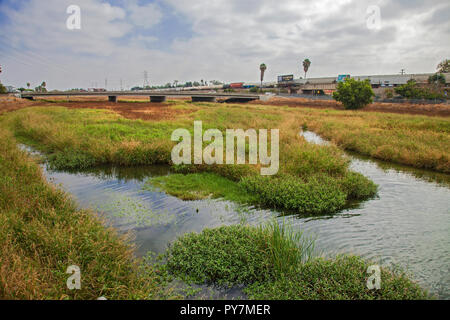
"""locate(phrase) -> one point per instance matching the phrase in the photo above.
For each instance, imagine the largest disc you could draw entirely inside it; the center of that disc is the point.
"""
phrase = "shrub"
(354, 94)
(411, 90)
(3, 89)
(389, 93)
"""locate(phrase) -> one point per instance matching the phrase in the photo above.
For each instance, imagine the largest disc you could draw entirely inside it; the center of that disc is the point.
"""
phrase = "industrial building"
(327, 85)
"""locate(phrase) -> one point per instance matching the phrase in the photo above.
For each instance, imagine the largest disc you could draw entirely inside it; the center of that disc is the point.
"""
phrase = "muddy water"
(407, 225)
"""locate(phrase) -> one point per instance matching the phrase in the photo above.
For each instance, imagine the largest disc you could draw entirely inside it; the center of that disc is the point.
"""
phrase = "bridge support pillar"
(112, 98)
(158, 98)
(204, 99)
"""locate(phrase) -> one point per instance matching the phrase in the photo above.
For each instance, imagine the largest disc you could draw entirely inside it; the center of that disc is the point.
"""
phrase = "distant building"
(327, 85)
(11, 89)
(96, 90)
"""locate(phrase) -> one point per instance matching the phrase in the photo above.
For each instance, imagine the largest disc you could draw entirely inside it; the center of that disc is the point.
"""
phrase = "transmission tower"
(145, 80)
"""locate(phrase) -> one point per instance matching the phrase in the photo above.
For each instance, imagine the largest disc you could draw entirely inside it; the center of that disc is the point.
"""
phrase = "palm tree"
(263, 69)
(306, 65)
(28, 85)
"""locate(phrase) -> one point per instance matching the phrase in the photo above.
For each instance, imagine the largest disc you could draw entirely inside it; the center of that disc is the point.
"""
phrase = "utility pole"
(402, 72)
(121, 87)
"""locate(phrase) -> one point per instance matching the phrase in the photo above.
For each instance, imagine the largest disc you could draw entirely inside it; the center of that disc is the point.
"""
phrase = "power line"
(32, 57)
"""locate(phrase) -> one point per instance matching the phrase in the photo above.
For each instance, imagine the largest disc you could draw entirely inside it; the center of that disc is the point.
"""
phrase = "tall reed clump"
(287, 248)
(236, 255)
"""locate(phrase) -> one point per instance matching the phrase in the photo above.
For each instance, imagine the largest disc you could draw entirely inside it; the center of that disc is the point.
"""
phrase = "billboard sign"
(343, 77)
(286, 78)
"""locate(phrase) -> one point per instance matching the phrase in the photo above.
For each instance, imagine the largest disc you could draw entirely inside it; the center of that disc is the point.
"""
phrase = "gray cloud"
(230, 39)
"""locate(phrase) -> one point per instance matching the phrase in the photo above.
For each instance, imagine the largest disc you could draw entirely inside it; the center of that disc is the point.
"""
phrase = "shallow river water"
(407, 225)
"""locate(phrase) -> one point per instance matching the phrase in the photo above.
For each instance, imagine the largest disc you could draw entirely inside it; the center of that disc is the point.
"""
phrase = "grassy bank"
(417, 141)
(42, 234)
(275, 263)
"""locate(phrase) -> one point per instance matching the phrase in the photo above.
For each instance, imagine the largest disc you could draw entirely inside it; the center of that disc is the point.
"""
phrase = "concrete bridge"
(155, 96)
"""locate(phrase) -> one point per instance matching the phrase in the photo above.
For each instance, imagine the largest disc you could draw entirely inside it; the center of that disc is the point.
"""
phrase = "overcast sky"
(216, 40)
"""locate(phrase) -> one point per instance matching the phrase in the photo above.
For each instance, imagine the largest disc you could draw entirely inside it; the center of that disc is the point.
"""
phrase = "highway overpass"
(155, 96)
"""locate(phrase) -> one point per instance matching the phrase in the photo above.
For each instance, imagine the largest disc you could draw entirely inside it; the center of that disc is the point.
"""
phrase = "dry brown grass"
(417, 141)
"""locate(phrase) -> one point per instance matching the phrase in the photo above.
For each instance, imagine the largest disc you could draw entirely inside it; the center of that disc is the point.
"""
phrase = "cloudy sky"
(216, 40)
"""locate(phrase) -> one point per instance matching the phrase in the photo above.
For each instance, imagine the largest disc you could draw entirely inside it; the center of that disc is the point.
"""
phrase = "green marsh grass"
(83, 138)
(274, 262)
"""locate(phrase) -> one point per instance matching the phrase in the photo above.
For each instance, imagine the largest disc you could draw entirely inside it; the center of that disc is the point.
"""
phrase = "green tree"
(263, 69)
(28, 85)
(437, 78)
(354, 94)
(3, 89)
(409, 90)
(306, 65)
(444, 66)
